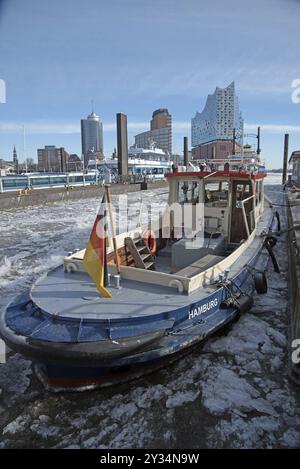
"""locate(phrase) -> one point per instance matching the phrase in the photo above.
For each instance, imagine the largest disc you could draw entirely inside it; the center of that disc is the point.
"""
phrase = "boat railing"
(251, 163)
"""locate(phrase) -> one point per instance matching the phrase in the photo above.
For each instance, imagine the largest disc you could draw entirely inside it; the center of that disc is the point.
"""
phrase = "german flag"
(94, 260)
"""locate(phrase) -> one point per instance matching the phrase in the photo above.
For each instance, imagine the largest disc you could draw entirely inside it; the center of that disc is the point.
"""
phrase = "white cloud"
(273, 128)
(61, 127)
(74, 127)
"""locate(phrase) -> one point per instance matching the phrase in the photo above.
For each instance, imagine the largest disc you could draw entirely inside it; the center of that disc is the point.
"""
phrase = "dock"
(16, 199)
(293, 215)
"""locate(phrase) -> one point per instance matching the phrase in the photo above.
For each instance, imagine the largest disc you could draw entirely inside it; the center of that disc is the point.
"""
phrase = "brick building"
(52, 159)
(216, 149)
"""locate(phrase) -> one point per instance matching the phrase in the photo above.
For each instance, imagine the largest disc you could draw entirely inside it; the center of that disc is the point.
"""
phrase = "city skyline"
(207, 45)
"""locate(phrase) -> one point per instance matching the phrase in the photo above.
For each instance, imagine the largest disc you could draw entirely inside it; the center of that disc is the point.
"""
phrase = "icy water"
(233, 392)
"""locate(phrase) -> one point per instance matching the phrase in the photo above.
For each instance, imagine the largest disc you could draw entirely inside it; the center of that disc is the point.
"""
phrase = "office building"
(52, 159)
(160, 132)
(91, 138)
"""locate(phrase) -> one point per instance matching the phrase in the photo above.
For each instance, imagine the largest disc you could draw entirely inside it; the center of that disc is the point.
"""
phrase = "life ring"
(150, 239)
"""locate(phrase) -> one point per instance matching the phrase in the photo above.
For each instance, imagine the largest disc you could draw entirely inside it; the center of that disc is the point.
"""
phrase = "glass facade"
(91, 136)
(218, 119)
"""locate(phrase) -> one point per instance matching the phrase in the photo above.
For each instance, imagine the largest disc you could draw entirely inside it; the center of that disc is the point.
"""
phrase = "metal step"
(144, 256)
(135, 247)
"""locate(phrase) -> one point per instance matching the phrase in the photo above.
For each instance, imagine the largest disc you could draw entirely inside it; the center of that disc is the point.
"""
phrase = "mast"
(185, 152)
(24, 148)
(112, 223)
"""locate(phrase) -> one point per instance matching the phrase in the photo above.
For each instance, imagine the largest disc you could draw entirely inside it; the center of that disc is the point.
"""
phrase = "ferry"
(171, 288)
(152, 163)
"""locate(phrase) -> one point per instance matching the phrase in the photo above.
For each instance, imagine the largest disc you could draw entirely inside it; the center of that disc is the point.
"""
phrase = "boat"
(152, 163)
(172, 289)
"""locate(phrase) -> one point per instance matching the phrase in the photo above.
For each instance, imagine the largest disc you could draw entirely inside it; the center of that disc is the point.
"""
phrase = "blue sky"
(136, 55)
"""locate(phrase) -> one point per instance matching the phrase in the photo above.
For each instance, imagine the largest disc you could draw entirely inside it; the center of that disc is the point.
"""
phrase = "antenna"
(92, 103)
(242, 143)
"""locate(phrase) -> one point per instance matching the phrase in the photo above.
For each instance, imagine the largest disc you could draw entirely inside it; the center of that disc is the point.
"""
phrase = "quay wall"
(15, 199)
(294, 277)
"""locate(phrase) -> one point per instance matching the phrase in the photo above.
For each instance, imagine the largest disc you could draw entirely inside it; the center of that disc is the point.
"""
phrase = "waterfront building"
(6, 167)
(91, 137)
(52, 159)
(160, 132)
(74, 163)
(214, 126)
(215, 149)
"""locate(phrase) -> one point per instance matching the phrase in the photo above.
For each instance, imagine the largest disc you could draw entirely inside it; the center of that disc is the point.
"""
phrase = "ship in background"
(151, 162)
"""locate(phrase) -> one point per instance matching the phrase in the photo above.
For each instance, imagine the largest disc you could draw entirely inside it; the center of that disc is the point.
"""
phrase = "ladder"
(143, 259)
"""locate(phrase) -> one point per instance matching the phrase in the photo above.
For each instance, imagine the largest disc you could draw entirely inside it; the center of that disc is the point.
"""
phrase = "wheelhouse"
(232, 200)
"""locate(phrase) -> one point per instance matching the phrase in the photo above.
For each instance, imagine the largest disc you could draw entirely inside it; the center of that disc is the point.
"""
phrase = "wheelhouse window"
(258, 192)
(242, 191)
(216, 194)
(188, 192)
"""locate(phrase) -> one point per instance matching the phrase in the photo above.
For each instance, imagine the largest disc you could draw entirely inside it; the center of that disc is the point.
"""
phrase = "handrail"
(244, 214)
(209, 174)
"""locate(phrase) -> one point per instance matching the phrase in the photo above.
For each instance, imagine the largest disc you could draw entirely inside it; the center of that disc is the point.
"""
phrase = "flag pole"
(105, 271)
(108, 198)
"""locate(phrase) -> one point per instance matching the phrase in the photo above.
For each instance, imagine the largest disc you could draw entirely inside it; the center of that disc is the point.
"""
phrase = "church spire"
(15, 160)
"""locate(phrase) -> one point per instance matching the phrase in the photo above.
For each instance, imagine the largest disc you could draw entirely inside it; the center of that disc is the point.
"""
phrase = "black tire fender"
(260, 283)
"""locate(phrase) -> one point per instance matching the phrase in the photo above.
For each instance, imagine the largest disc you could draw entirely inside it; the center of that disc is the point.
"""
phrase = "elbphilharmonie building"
(219, 117)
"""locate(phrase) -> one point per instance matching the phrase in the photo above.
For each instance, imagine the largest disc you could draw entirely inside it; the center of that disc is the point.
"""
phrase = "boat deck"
(75, 295)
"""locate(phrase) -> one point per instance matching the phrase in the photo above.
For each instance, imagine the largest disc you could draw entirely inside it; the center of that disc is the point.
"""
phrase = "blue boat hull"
(78, 364)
